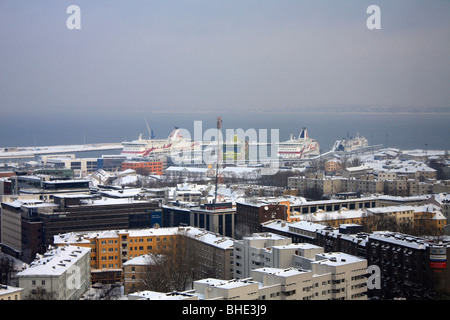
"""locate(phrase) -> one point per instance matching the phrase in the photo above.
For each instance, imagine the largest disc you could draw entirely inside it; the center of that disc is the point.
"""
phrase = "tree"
(174, 267)
(6, 269)
(40, 294)
(355, 162)
(378, 222)
(110, 292)
(439, 167)
(314, 193)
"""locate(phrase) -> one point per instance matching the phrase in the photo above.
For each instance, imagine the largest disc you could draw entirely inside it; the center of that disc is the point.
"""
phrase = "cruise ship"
(351, 144)
(302, 147)
(175, 142)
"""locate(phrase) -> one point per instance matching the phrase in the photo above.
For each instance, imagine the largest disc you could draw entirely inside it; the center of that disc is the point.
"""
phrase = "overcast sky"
(227, 54)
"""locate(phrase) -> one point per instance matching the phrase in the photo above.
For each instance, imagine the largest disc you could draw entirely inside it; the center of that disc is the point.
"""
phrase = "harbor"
(31, 152)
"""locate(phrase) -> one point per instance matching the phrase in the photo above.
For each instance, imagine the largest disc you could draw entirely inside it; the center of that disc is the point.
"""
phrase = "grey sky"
(200, 55)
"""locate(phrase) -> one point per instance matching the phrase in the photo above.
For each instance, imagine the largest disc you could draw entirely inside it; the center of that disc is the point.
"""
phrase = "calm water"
(405, 131)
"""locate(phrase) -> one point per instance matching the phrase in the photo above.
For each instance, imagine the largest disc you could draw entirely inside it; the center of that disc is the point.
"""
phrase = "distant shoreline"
(300, 112)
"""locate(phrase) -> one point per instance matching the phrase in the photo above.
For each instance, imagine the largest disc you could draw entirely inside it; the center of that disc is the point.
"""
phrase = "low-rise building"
(61, 273)
(147, 167)
(10, 292)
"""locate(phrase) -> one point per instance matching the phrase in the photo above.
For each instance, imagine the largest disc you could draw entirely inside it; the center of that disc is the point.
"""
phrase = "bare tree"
(40, 294)
(355, 162)
(175, 267)
(378, 222)
(110, 292)
(6, 269)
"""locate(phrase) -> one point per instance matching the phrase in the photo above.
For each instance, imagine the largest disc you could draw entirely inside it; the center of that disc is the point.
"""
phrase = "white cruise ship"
(302, 147)
(145, 147)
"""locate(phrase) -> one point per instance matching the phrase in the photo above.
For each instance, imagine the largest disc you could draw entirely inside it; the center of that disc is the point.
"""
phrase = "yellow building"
(10, 293)
(110, 249)
(429, 219)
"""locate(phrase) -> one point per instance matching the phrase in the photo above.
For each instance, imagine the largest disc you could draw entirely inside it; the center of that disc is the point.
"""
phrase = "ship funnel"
(175, 135)
(303, 134)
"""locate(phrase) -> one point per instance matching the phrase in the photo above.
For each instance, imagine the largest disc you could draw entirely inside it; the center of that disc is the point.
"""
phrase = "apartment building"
(218, 289)
(249, 252)
(410, 267)
(272, 259)
(328, 185)
(321, 276)
(61, 273)
(326, 276)
(135, 272)
(399, 180)
(112, 249)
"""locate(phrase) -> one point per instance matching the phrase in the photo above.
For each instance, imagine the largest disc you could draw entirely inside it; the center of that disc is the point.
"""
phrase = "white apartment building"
(249, 253)
(326, 276)
(216, 289)
(292, 284)
(348, 274)
(333, 276)
(299, 270)
(62, 272)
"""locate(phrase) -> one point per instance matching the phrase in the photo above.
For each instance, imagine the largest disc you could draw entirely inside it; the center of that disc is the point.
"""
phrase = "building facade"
(62, 273)
(111, 250)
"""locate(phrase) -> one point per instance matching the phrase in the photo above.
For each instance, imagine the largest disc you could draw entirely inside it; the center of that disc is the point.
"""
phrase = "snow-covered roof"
(398, 166)
(199, 234)
(332, 215)
(336, 258)
(279, 272)
(143, 260)
(55, 261)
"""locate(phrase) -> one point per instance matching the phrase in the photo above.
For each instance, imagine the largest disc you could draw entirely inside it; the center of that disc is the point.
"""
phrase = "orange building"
(110, 249)
(332, 166)
(149, 167)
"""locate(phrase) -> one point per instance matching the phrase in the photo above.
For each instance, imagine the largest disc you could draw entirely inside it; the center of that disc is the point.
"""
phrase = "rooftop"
(55, 261)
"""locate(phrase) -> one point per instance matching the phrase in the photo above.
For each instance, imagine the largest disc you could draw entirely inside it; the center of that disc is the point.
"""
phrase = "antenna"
(219, 127)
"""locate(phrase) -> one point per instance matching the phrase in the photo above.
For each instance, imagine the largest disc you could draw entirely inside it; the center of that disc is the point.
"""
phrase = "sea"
(405, 131)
